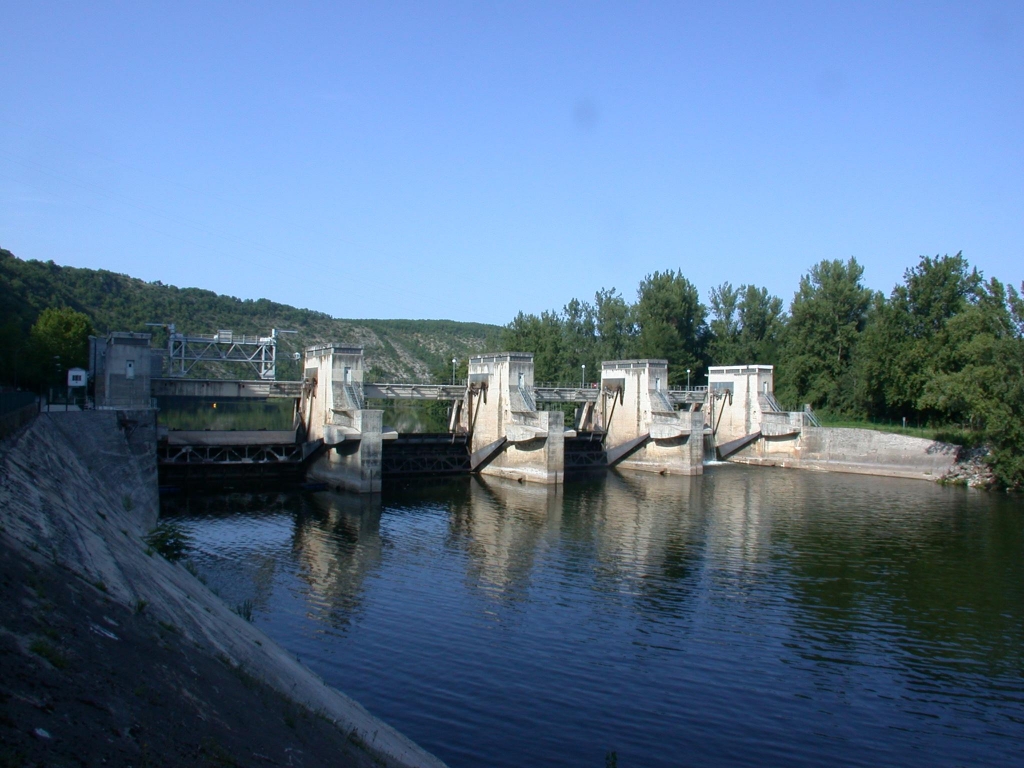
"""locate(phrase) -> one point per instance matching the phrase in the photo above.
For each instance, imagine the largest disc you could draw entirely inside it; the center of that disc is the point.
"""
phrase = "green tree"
(723, 347)
(15, 354)
(978, 374)
(905, 334)
(672, 322)
(746, 327)
(827, 316)
(60, 337)
(762, 324)
(616, 331)
(544, 337)
(579, 340)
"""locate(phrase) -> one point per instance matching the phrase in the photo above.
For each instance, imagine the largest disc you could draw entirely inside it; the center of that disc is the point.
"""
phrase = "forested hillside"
(398, 349)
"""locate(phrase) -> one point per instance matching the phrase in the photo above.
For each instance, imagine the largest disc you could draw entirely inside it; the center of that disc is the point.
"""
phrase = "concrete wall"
(861, 451)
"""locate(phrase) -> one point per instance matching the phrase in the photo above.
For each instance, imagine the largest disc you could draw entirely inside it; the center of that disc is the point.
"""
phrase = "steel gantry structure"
(184, 352)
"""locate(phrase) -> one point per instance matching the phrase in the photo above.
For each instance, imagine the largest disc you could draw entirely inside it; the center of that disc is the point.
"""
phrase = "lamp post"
(687, 378)
(583, 376)
(455, 361)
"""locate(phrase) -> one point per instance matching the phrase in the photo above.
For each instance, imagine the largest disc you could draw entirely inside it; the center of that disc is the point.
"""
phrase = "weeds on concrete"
(244, 609)
(243, 674)
(128, 503)
(357, 739)
(100, 585)
(216, 754)
(191, 567)
(611, 760)
(141, 605)
(167, 627)
(49, 652)
(168, 540)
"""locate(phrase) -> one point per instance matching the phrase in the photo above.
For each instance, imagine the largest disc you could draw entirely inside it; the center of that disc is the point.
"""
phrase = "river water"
(749, 616)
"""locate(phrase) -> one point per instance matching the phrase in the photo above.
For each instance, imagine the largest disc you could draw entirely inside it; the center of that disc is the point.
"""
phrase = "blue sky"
(470, 160)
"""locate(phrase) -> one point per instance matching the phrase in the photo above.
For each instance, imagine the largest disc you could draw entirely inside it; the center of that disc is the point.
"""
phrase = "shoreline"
(78, 496)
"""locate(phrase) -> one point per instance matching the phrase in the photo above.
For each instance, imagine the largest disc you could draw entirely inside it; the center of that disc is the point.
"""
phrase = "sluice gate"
(425, 454)
(585, 452)
(211, 459)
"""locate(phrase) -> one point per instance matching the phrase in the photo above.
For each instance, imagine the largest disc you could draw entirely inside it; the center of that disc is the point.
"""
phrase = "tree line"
(945, 348)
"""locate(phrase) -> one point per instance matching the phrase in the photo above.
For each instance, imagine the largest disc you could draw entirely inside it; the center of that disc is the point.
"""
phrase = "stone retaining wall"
(859, 451)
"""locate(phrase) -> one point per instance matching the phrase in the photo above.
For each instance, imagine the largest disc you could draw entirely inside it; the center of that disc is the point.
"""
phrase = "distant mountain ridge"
(395, 349)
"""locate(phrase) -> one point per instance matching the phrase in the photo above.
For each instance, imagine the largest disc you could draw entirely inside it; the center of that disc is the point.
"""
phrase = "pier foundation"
(332, 409)
(509, 437)
(643, 429)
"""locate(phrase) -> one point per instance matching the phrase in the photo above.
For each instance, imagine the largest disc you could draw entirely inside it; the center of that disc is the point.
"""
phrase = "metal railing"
(811, 415)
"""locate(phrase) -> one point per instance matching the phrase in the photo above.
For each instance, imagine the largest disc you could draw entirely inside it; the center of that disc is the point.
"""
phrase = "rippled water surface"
(745, 617)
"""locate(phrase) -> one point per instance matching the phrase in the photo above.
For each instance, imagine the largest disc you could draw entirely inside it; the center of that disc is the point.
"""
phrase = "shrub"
(169, 540)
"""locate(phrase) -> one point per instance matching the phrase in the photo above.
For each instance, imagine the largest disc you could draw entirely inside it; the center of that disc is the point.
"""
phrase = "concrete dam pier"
(498, 422)
(501, 423)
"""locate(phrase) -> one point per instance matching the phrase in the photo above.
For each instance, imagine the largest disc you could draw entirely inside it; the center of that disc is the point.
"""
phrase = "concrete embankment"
(859, 451)
(78, 494)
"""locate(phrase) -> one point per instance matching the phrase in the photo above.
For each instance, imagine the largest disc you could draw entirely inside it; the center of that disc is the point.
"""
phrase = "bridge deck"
(224, 389)
(397, 391)
(400, 391)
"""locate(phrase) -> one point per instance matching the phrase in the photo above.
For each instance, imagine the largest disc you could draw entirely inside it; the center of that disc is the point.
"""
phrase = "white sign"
(76, 377)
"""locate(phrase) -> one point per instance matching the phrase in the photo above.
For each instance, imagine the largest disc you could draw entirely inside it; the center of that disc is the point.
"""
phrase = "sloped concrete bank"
(858, 451)
(78, 493)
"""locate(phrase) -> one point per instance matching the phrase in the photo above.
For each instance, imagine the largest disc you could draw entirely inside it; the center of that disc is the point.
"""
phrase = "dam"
(501, 423)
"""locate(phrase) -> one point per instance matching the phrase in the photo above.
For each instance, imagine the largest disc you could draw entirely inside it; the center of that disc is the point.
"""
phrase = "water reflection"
(501, 525)
(337, 544)
(758, 614)
(646, 529)
(240, 537)
(933, 571)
